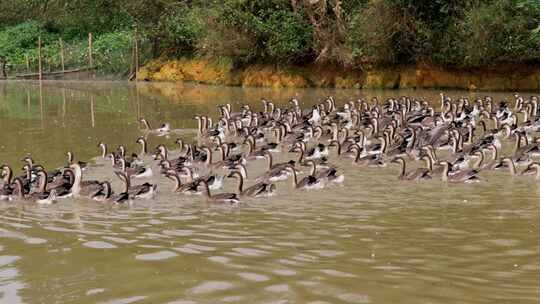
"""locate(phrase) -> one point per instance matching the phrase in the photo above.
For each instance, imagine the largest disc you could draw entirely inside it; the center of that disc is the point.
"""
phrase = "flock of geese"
(453, 143)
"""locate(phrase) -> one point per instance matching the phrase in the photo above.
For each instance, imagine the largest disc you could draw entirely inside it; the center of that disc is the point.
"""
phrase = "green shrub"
(15, 40)
(383, 32)
(501, 31)
(182, 30)
(288, 36)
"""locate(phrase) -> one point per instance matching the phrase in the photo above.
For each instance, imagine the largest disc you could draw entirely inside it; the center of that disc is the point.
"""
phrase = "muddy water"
(372, 240)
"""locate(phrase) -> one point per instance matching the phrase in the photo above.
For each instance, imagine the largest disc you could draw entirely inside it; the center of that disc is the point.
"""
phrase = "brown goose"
(6, 188)
(463, 176)
(70, 160)
(189, 188)
(143, 191)
(418, 174)
(107, 195)
(82, 188)
(309, 182)
(370, 160)
(37, 197)
(258, 190)
(221, 198)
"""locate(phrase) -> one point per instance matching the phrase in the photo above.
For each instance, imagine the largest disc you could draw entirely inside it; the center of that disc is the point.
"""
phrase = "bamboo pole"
(62, 55)
(27, 63)
(40, 72)
(90, 59)
(41, 105)
(63, 107)
(92, 115)
(28, 100)
(132, 60)
(136, 54)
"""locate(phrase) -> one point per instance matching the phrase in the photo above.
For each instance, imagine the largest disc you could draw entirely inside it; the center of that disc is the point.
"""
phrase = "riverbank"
(223, 72)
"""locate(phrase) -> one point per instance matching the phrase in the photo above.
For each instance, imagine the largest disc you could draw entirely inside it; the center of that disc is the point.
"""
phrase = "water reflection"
(373, 240)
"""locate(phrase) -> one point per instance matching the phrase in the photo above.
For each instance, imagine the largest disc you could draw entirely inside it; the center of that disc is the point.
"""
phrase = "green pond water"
(372, 240)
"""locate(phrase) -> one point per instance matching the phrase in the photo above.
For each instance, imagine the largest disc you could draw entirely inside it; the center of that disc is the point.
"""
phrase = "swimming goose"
(308, 183)
(143, 191)
(271, 165)
(418, 174)
(221, 198)
(214, 181)
(60, 184)
(463, 176)
(369, 160)
(106, 195)
(6, 188)
(45, 198)
(135, 172)
(144, 145)
(260, 189)
(70, 161)
(300, 147)
(163, 130)
(189, 188)
(327, 174)
(88, 188)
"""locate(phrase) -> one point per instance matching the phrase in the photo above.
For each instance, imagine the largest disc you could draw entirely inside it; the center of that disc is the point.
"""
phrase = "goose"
(6, 188)
(37, 197)
(370, 160)
(106, 195)
(61, 184)
(144, 145)
(214, 181)
(88, 188)
(221, 198)
(307, 183)
(260, 189)
(418, 174)
(142, 191)
(511, 165)
(253, 153)
(463, 176)
(189, 188)
(135, 172)
(103, 147)
(70, 160)
(327, 174)
(340, 153)
(163, 130)
(272, 165)
(300, 148)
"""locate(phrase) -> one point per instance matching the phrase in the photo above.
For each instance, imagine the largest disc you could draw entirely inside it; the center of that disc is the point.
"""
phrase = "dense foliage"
(456, 33)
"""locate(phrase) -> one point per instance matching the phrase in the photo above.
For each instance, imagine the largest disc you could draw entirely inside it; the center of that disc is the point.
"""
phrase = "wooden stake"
(40, 72)
(62, 55)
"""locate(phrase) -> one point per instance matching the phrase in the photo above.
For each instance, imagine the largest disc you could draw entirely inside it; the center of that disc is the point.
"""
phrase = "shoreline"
(222, 72)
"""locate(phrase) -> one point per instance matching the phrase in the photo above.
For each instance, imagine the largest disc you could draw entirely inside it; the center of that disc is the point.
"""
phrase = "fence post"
(62, 55)
(40, 72)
